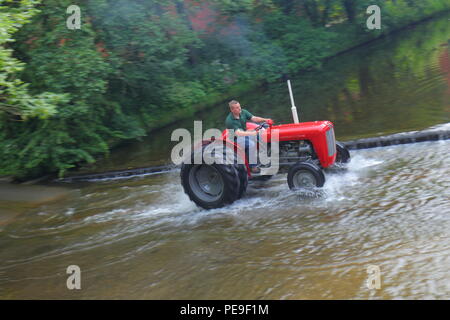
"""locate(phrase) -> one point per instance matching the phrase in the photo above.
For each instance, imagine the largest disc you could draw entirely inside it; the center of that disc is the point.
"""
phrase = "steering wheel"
(263, 125)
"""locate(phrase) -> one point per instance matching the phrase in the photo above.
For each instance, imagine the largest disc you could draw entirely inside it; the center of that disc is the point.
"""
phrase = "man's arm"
(258, 119)
(241, 133)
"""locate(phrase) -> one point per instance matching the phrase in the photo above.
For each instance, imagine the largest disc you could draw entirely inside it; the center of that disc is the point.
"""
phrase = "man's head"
(235, 107)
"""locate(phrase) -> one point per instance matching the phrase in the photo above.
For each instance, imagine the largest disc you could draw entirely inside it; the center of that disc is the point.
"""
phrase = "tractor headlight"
(331, 142)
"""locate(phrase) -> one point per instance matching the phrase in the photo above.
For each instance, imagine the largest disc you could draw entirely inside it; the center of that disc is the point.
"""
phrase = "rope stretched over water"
(395, 139)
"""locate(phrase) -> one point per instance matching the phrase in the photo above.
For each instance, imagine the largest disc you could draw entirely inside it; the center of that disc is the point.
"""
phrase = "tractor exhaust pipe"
(293, 109)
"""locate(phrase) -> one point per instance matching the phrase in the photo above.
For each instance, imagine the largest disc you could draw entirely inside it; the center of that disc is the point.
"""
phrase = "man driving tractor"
(306, 150)
(236, 121)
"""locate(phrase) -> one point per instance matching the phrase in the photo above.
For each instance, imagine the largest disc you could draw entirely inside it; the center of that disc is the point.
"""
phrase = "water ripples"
(390, 208)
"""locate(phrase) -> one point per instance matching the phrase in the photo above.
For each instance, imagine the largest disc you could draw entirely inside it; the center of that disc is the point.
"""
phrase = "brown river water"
(142, 238)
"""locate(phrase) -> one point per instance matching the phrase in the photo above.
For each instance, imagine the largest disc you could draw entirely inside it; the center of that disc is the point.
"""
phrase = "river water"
(142, 238)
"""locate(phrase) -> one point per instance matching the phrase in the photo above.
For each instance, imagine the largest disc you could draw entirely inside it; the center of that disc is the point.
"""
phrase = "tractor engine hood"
(300, 131)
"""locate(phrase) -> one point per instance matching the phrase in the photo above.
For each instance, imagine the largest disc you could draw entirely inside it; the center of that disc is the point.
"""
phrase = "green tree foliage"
(67, 63)
(150, 44)
(68, 96)
(15, 99)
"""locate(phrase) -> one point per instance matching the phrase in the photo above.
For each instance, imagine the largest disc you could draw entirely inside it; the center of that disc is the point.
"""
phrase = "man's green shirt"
(232, 123)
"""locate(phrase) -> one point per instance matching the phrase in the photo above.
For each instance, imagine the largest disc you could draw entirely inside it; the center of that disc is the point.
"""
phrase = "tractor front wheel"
(343, 155)
(305, 175)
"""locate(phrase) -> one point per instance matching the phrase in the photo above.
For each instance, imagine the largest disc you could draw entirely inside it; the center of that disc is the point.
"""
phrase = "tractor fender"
(240, 152)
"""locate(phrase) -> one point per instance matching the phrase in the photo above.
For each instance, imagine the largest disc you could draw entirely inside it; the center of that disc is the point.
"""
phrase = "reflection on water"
(15, 199)
(142, 238)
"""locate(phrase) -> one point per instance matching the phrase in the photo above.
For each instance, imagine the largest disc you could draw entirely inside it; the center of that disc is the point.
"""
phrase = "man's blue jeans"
(249, 143)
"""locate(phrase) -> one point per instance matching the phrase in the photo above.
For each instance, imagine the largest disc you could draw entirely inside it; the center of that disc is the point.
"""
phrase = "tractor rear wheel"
(305, 175)
(211, 186)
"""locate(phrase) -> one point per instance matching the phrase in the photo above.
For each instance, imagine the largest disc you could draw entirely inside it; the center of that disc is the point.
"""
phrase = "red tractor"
(304, 150)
